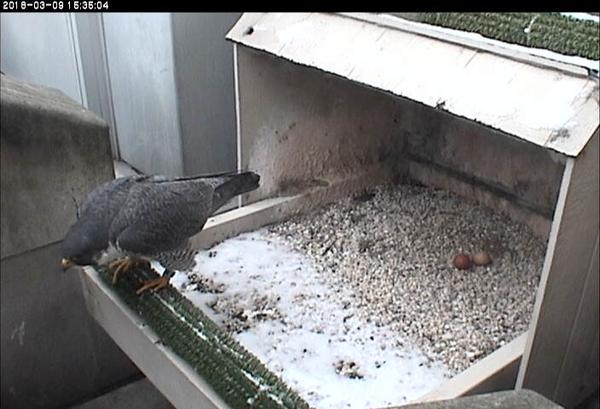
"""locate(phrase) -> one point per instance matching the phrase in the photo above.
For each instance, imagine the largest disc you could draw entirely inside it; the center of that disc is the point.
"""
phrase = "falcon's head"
(81, 246)
(77, 252)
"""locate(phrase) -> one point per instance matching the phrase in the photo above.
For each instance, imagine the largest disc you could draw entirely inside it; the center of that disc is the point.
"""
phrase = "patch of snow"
(182, 318)
(527, 29)
(304, 330)
(583, 16)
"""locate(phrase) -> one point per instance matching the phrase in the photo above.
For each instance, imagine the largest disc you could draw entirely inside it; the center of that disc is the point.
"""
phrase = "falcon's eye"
(66, 263)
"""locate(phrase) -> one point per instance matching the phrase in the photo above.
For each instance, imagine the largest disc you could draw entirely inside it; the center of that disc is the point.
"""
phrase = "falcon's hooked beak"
(65, 263)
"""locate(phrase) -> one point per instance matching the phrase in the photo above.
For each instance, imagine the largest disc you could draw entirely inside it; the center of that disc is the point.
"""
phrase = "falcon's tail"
(233, 185)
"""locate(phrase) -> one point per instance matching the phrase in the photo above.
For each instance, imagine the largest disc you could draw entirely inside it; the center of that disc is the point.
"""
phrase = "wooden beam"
(564, 327)
(582, 352)
(268, 211)
(243, 219)
(497, 371)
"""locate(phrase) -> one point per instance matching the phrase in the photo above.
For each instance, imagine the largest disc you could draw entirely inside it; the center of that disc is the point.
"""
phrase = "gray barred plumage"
(180, 259)
(150, 217)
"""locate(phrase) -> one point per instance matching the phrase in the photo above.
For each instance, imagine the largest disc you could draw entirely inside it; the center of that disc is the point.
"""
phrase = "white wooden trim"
(563, 312)
(483, 44)
(560, 205)
(170, 374)
(238, 124)
(488, 374)
(584, 339)
(243, 219)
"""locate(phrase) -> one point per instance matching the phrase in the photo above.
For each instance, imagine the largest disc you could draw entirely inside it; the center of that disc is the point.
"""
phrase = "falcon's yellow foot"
(126, 264)
(154, 284)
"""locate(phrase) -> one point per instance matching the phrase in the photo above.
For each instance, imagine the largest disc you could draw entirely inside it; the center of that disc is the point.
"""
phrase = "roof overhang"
(536, 96)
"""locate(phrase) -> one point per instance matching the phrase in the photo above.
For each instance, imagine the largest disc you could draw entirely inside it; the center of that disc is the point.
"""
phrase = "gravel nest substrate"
(394, 246)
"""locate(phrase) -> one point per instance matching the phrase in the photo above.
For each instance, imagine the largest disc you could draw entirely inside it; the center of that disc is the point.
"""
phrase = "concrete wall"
(205, 92)
(39, 48)
(63, 51)
(163, 82)
(300, 125)
(52, 150)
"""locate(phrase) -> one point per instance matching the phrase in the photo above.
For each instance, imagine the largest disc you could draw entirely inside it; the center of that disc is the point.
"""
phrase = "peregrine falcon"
(132, 220)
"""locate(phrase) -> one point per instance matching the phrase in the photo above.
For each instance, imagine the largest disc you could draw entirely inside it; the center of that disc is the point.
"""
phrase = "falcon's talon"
(126, 264)
(154, 285)
(120, 265)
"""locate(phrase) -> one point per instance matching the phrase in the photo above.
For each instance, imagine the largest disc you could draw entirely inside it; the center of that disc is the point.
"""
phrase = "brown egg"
(462, 261)
(482, 258)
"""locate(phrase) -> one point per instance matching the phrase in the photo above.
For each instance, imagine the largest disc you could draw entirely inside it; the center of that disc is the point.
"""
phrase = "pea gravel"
(393, 247)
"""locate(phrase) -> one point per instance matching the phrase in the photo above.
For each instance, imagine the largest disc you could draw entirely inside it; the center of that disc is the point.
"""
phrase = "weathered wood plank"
(243, 219)
(584, 339)
(557, 335)
(497, 371)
